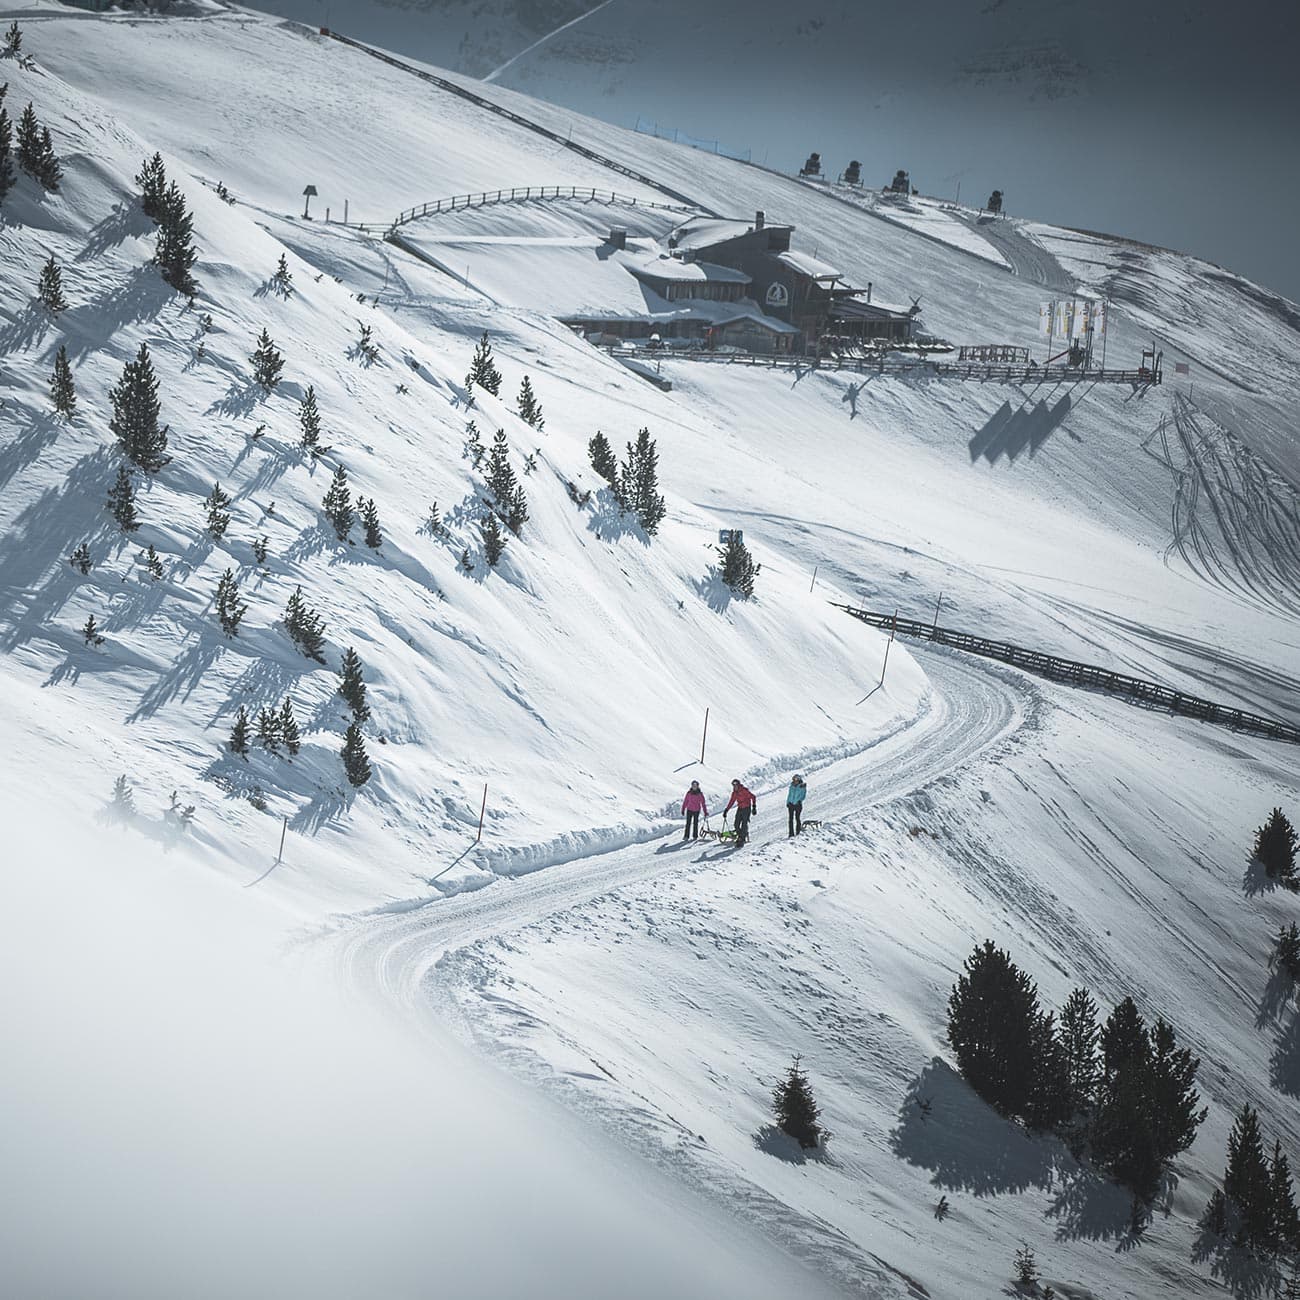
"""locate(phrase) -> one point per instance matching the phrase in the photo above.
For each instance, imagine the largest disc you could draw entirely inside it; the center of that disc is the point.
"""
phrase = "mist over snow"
(400, 1059)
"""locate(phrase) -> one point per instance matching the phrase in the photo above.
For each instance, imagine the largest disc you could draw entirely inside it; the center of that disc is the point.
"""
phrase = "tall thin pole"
(813, 583)
(935, 626)
(892, 630)
(280, 855)
(705, 738)
(481, 813)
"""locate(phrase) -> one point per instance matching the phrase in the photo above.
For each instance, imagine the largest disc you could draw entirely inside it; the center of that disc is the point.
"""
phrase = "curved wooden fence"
(533, 193)
(1074, 673)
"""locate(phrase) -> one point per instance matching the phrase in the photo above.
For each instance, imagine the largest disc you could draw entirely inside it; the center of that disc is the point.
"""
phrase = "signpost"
(308, 194)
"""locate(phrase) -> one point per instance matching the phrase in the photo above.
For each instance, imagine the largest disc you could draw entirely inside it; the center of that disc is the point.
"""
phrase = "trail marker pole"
(705, 738)
(283, 829)
(892, 630)
(813, 583)
(481, 813)
(345, 212)
(934, 627)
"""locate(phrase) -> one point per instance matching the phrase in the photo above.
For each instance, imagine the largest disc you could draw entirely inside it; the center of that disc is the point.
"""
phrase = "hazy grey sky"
(1173, 123)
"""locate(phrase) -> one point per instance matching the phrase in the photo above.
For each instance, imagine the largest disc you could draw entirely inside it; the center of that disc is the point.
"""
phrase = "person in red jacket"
(746, 805)
(692, 806)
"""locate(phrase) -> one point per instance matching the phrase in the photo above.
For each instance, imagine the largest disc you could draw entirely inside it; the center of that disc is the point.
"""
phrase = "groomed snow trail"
(970, 709)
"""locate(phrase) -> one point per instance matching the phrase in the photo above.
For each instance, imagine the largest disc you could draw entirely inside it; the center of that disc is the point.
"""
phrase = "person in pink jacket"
(693, 805)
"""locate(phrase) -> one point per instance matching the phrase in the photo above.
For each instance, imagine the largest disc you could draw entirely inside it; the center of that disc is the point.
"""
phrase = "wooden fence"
(532, 193)
(1141, 691)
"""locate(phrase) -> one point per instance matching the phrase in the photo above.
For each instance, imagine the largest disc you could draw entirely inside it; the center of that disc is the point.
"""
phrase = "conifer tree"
(1049, 1103)
(494, 542)
(338, 504)
(473, 444)
(309, 420)
(259, 549)
(603, 460)
(1288, 951)
(175, 253)
(152, 180)
(268, 730)
(7, 175)
(530, 409)
(355, 762)
(29, 140)
(433, 524)
(370, 522)
(218, 517)
(517, 511)
(51, 288)
(267, 362)
(483, 369)
(1079, 1038)
(63, 391)
(91, 632)
(121, 501)
(122, 803)
(352, 685)
(48, 171)
(305, 626)
(795, 1108)
(152, 564)
(1026, 1266)
(992, 1024)
(367, 350)
(283, 277)
(465, 562)
(1286, 1220)
(501, 478)
(1247, 1182)
(1275, 846)
(1174, 1117)
(238, 742)
(80, 559)
(230, 609)
(289, 732)
(639, 483)
(738, 567)
(135, 414)
(13, 40)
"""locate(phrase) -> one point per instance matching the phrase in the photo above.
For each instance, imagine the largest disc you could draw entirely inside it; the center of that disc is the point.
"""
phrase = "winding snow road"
(971, 709)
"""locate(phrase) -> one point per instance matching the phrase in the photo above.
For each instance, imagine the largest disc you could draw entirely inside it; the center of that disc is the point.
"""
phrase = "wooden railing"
(1138, 689)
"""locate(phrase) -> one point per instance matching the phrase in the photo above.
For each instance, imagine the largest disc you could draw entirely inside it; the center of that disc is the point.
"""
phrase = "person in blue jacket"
(794, 804)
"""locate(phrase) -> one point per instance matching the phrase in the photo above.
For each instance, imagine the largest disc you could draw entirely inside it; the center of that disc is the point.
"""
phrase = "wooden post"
(813, 583)
(481, 813)
(280, 855)
(934, 627)
(892, 630)
(705, 738)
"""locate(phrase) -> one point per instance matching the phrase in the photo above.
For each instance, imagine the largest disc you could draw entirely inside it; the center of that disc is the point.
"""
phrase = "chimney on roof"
(617, 237)
(759, 218)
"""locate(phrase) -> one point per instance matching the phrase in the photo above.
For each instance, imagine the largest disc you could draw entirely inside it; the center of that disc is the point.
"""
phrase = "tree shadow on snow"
(1247, 1275)
(713, 591)
(1284, 1063)
(609, 523)
(944, 1127)
(125, 221)
(327, 806)
(141, 298)
(182, 677)
(25, 447)
(1272, 1002)
(1088, 1205)
(1255, 880)
(773, 1142)
(240, 399)
(25, 329)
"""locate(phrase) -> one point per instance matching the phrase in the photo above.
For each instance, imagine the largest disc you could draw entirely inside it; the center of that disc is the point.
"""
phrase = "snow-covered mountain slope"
(573, 680)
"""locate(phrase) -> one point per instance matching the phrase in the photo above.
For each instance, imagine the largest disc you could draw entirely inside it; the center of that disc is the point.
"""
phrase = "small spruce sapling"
(175, 253)
(259, 549)
(28, 137)
(230, 609)
(48, 171)
(433, 524)
(121, 806)
(289, 732)
(1287, 953)
(309, 421)
(305, 626)
(238, 742)
(529, 408)
(63, 391)
(466, 564)
(135, 414)
(494, 542)
(267, 362)
(80, 559)
(51, 287)
(370, 522)
(152, 563)
(483, 369)
(268, 730)
(7, 175)
(121, 501)
(338, 504)
(282, 280)
(603, 460)
(13, 41)
(91, 632)
(366, 347)
(738, 567)
(352, 685)
(355, 762)
(473, 444)
(796, 1110)
(1275, 847)
(1026, 1266)
(152, 180)
(218, 516)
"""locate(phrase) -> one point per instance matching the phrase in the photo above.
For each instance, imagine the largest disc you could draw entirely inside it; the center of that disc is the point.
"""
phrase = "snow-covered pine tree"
(29, 140)
(370, 522)
(268, 730)
(230, 609)
(473, 444)
(51, 287)
(152, 563)
(267, 362)
(289, 732)
(603, 460)
(122, 804)
(510, 500)
(465, 562)
(215, 504)
(13, 41)
(483, 368)
(352, 685)
(309, 420)
(90, 630)
(80, 559)
(1287, 954)
(282, 280)
(517, 511)
(48, 171)
(238, 742)
(355, 762)
(1286, 1220)
(738, 567)
(494, 542)
(121, 501)
(1275, 847)
(1247, 1182)
(338, 504)
(1049, 1102)
(135, 414)
(1079, 1038)
(152, 180)
(259, 549)
(433, 524)
(641, 476)
(795, 1108)
(175, 253)
(992, 1021)
(305, 626)
(7, 174)
(530, 409)
(367, 349)
(1174, 1116)
(63, 391)
(1026, 1266)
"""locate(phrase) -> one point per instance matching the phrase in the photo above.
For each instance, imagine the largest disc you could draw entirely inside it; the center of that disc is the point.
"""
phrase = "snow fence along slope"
(564, 680)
